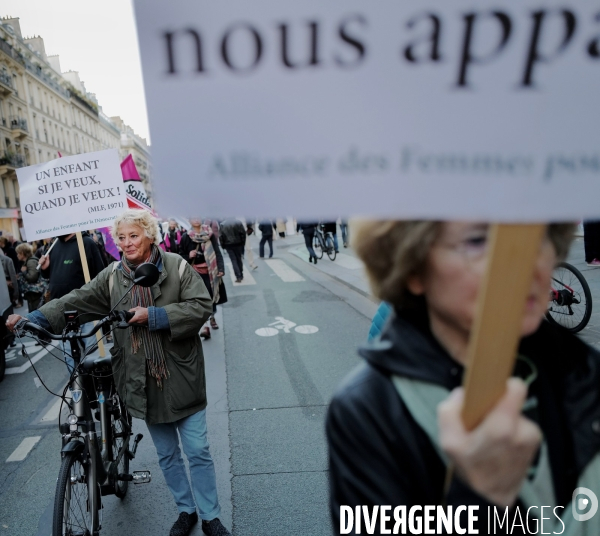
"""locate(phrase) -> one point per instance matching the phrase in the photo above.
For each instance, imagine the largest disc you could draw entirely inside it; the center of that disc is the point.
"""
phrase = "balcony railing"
(6, 79)
(12, 160)
(18, 123)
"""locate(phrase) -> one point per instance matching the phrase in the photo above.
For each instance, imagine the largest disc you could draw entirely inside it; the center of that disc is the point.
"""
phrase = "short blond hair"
(141, 218)
(24, 249)
(393, 251)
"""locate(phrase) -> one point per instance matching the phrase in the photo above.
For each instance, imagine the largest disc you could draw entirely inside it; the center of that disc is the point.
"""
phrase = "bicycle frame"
(102, 461)
(325, 239)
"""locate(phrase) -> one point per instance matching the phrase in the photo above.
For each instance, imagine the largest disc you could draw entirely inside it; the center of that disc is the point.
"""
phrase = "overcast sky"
(97, 38)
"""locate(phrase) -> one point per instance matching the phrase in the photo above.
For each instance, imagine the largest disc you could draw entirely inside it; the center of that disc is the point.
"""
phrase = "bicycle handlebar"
(123, 316)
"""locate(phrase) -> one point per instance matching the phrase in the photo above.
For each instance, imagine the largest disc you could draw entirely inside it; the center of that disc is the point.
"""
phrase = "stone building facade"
(44, 112)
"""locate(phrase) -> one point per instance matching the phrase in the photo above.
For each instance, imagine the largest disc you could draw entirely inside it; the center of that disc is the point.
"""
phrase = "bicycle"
(92, 466)
(570, 304)
(323, 242)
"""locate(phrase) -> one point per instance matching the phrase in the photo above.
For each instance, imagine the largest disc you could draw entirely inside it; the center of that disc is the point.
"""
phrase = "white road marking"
(266, 332)
(25, 366)
(281, 324)
(52, 413)
(248, 279)
(37, 382)
(284, 272)
(306, 330)
(21, 452)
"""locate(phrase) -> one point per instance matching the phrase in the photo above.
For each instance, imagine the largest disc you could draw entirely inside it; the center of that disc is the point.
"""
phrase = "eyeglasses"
(472, 247)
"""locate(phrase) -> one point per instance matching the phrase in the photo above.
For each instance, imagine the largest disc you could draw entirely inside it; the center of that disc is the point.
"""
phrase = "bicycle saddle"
(90, 364)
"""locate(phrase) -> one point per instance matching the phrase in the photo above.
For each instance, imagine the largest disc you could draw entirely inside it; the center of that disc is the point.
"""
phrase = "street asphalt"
(288, 336)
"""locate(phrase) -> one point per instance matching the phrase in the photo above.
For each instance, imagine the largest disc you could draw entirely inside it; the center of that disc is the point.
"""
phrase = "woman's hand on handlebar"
(12, 320)
(140, 316)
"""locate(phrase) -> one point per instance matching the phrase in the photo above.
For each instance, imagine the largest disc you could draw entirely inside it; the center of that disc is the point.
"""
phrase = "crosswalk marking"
(52, 413)
(21, 452)
(248, 279)
(282, 270)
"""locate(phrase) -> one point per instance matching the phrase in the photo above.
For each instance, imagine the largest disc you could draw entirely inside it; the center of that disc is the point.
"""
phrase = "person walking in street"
(233, 240)
(331, 227)
(394, 426)
(344, 229)
(172, 238)
(280, 225)
(9, 251)
(11, 277)
(64, 271)
(214, 225)
(30, 279)
(308, 230)
(158, 364)
(201, 249)
(266, 228)
(248, 253)
(591, 242)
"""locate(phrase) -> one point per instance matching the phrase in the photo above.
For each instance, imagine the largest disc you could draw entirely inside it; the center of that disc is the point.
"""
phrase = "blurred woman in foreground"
(394, 426)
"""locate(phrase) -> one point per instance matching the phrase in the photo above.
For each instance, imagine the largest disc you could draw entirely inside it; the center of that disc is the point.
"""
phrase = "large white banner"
(412, 108)
(71, 194)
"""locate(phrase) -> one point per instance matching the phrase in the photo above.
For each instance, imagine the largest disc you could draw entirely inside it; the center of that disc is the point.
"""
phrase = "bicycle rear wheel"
(317, 247)
(571, 303)
(73, 513)
(331, 252)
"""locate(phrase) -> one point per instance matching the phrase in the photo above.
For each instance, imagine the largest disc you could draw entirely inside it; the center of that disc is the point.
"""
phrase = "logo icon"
(77, 397)
(584, 508)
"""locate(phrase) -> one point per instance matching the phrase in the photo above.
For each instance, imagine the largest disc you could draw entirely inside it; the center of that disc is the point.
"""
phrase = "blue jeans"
(66, 348)
(344, 228)
(308, 240)
(192, 431)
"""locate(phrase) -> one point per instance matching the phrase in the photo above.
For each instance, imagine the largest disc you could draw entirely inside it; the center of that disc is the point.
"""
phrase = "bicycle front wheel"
(570, 305)
(317, 247)
(121, 433)
(73, 511)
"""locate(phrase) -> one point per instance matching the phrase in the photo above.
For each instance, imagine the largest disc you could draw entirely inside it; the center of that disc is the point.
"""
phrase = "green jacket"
(187, 304)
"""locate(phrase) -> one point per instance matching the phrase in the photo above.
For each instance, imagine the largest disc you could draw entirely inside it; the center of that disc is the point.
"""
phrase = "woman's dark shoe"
(315, 260)
(213, 323)
(214, 527)
(184, 524)
(205, 333)
(309, 258)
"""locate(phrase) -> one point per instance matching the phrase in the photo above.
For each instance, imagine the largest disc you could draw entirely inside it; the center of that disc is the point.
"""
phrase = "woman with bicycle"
(394, 427)
(158, 364)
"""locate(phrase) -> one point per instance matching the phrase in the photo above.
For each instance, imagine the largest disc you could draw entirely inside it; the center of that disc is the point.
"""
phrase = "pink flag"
(136, 193)
(128, 170)
(109, 243)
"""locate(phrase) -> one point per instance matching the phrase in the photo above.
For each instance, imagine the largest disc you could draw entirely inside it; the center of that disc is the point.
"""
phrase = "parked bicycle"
(323, 242)
(570, 304)
(94, 462)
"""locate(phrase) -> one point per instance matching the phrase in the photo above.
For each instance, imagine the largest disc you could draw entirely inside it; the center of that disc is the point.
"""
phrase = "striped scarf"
(142, 297)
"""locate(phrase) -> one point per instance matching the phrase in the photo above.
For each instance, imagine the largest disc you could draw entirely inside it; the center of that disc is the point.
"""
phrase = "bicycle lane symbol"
(281, 324)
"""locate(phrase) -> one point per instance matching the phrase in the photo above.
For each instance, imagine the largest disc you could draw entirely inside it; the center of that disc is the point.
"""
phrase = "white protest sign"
(71, 194)
(418, 108)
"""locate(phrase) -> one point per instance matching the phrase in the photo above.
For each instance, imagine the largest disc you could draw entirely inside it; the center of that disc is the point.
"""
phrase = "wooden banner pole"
(86, 275)
(497, 327)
